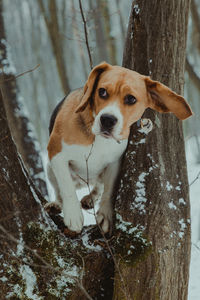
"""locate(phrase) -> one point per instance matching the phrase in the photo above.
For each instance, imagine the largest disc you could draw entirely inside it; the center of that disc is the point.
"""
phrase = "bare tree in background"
(103, 6)
(56, 41)
(19, 124)
(193, 79)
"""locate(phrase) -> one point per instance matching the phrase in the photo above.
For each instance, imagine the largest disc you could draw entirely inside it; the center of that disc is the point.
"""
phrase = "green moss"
(54, 282)
(130, 243)
(63, 255)
(56, 252)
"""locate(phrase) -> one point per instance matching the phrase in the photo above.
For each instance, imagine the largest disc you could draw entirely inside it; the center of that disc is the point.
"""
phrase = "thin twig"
(86, 34)
(21, 74)
(197, 177)
(197, 247)
(87, 162)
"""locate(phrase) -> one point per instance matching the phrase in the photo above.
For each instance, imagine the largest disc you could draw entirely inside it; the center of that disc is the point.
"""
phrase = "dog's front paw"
(105, 219)
(73, 218)
(53, 208)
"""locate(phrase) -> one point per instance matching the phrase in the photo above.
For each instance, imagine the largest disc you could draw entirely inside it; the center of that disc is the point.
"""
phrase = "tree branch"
(21, 74)
(193, 75)
(86, 34)
(197, 177)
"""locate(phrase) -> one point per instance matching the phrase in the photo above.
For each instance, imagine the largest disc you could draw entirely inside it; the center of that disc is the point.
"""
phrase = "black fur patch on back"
(54, 114)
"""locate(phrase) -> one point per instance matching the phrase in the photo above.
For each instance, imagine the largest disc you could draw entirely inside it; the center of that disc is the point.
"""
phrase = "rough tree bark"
(153, 199)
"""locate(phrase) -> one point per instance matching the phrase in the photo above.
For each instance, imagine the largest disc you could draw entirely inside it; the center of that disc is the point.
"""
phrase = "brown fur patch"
(164, 100)
(68, 129)
(157, 101)
(54, 145)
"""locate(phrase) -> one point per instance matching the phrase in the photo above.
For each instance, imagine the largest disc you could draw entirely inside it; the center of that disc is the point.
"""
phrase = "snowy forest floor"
(193, 165)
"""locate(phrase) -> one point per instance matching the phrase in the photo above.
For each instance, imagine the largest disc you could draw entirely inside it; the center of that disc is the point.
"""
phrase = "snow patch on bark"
(30, 281)
(86, 243)
(181, 201)
(8, 66)
(172, 205)
(127, 227)
(169, 187)
(140, 199)
(136, 9)
(183, 227)
(142, 141)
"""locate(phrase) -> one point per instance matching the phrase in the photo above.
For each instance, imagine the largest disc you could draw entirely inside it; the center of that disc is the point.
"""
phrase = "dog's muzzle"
(107, 123)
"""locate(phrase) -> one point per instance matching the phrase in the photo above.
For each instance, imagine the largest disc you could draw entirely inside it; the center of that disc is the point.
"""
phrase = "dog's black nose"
(108, 121)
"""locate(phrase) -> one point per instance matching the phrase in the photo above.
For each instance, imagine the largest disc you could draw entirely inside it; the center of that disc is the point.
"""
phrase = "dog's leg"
(73, 217)
(56, 206)
(105, 213)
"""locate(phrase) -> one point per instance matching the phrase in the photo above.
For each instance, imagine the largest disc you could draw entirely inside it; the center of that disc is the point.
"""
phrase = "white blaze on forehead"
(114, 110)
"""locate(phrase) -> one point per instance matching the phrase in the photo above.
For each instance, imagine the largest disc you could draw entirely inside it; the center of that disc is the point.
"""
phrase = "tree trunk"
(56, 41)
(122, 25)
(110, 40)
(152, 207)
(99, 30)
(77, 35)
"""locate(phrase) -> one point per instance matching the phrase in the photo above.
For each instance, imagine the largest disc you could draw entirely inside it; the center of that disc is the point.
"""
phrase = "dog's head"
(118, 97)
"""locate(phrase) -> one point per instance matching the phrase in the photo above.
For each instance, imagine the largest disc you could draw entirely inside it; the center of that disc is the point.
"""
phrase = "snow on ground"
(193, 162)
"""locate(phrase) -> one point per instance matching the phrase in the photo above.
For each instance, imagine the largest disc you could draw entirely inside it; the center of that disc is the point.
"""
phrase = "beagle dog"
(89, 132)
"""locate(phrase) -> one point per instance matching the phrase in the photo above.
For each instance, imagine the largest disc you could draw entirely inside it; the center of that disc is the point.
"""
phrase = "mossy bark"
(153, 192)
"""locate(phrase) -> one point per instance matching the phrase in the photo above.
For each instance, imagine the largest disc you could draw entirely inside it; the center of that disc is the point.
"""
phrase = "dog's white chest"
(88, 162)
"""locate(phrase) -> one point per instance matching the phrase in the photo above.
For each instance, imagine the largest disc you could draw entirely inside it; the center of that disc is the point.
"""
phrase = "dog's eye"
(130, 100)
(103, 93)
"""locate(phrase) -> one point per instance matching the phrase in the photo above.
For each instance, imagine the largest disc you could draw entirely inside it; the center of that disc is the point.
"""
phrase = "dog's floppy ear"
(162, 99)
(91, 84)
